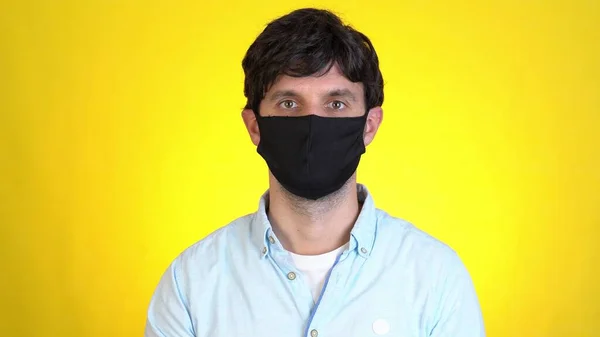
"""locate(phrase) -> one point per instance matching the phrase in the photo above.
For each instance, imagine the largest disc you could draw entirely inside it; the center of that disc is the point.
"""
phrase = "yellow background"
(121, 144)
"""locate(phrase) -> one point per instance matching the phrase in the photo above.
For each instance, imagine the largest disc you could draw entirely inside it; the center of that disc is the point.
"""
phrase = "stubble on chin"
(315, 209)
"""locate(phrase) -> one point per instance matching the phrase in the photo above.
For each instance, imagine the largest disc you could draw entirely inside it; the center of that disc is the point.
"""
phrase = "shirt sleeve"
(168, 313)
(458, 312)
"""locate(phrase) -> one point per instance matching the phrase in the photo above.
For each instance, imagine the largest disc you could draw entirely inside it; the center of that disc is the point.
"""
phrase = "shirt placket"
(329, 299)
(293, 279)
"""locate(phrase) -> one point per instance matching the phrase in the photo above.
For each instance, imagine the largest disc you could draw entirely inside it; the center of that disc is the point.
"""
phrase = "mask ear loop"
(256, 105)
(366, 114)
(364, 119)
(255, 110)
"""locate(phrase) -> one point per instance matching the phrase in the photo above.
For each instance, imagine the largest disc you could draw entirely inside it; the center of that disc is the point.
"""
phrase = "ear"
(374, 120)
(251, 125)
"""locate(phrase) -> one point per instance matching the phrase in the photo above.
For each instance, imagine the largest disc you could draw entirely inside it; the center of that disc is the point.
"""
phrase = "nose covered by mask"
(311, 156)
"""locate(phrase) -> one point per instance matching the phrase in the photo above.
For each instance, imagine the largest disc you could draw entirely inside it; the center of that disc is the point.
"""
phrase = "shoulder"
(195, 273)
(412, 247)
(409, 236)
(203, 261)
(431, 267)
(217, 244)
(198, 270)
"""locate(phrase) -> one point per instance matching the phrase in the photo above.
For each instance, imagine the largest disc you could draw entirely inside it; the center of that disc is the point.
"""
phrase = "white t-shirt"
(315, 268)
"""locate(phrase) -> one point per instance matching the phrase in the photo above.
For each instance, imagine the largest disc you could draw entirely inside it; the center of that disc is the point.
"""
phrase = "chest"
(358, 302)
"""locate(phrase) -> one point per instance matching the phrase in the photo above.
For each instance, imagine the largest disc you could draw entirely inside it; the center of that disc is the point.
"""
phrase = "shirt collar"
(362, 236)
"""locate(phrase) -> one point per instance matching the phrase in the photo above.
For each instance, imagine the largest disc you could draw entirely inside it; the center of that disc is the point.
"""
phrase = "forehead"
(309, 85)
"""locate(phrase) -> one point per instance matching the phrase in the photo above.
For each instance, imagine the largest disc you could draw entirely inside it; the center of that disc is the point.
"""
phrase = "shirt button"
(363, 250)
(314, 333)
(291, 276)
(264, 251)
(271, 240)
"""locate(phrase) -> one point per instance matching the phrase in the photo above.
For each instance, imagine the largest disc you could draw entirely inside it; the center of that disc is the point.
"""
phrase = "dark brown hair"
(309, 42)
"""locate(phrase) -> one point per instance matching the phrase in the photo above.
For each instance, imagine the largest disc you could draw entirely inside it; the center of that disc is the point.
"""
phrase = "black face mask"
(311, 156)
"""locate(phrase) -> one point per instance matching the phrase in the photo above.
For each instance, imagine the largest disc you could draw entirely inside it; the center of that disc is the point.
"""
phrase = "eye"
(288, 104)
(337, 105)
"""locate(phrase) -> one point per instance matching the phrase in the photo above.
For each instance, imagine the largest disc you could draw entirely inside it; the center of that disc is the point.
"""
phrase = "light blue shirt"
(393, 280)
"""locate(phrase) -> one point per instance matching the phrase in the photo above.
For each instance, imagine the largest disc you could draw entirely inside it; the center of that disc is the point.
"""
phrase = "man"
(317, 259)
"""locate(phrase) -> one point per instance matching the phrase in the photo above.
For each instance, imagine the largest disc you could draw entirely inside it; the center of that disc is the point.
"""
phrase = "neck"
(312, 227)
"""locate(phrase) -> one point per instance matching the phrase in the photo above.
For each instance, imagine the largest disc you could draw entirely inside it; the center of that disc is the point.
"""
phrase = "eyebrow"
(342, 93)
(331, 93)
(281, 94)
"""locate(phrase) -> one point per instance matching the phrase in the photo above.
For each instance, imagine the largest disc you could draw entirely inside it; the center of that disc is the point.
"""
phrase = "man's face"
(329, 95)
(333, 143)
